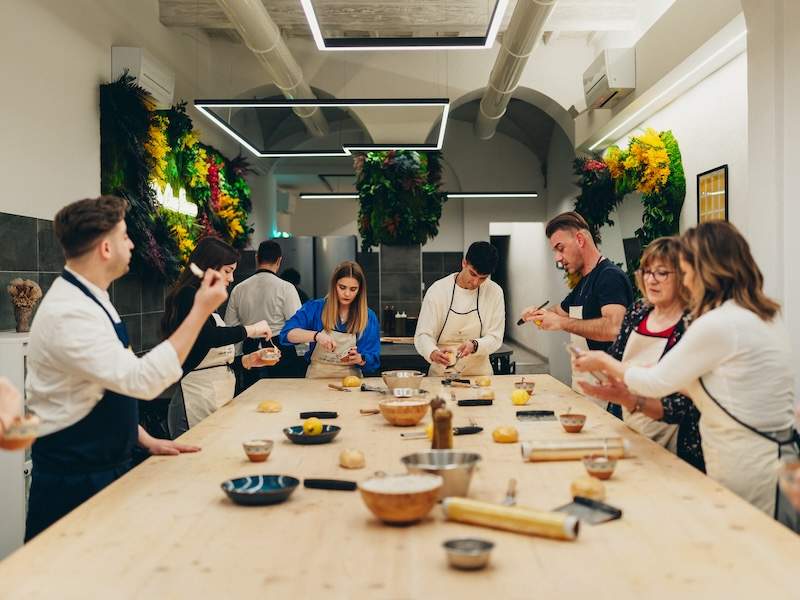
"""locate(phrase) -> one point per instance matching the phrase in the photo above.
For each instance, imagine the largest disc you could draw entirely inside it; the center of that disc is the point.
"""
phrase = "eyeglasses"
(658, 276)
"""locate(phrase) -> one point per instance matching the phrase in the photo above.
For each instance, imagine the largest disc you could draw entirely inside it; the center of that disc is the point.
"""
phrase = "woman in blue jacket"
(344, 333)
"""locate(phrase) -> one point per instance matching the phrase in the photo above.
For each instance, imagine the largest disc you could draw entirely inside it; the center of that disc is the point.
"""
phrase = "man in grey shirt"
(265, 296)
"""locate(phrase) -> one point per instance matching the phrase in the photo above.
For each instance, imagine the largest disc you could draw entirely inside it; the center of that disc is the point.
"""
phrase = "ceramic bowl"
(258, 450)
(528, 386)
(599, 466)
(403, 412)
(468, 553)
(258, 490)
(270, 356)
(403, 379)
(571, 422)
(399, 499)
(455, 469)
(296, 435)
(21, 433)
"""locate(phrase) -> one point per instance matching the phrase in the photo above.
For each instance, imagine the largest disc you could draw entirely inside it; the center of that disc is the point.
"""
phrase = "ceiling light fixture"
(492, 195)
(207, 108)
(406, 43)
(325, 196)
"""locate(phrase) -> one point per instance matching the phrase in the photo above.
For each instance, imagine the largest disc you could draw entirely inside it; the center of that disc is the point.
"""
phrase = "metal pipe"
(262, 36)
(524, 31)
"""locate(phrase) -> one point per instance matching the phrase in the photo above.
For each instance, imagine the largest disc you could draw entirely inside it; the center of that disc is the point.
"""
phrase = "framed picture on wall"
(712, 194)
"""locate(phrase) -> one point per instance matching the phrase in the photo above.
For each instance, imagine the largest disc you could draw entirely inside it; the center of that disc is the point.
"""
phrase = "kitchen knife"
(330, 484)
(320, 414)
(475, 402)
(418, 435)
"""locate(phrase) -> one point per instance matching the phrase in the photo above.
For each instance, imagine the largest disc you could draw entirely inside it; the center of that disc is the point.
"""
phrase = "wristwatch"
(474, 346)
(639, 405)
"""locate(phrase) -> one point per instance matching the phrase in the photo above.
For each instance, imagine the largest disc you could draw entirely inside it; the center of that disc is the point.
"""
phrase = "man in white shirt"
(266, 297)
(83, 379)
(463, 318)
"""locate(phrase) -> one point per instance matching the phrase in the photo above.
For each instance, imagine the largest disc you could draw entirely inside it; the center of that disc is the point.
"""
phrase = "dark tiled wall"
(401, 278)
(30, 250)
(436, 265)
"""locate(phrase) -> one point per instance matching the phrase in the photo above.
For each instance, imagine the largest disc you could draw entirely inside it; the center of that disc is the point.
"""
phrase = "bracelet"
(316, 334)
(639, 405)
(474, 346)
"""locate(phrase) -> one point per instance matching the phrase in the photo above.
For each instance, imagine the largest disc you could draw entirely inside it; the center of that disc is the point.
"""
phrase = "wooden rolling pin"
(556, 525)
(544, 450)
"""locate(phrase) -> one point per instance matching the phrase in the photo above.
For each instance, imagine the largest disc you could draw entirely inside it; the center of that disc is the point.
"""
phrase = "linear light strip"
(335, 196)
(365, 45)
(329, 196)
(661, 95)
(203, 106)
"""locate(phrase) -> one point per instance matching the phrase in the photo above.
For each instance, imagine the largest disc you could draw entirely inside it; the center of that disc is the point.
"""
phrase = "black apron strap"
(477, 309)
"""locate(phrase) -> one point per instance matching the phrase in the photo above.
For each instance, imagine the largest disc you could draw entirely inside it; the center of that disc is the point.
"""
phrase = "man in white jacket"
(462, 319)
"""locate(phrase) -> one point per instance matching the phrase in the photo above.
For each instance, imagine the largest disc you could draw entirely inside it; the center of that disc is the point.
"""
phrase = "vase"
(23, 315)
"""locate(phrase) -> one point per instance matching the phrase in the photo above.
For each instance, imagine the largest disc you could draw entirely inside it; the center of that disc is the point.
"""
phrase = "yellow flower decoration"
(158, 148)
(185, 243)
(200, 172)
(613, 161)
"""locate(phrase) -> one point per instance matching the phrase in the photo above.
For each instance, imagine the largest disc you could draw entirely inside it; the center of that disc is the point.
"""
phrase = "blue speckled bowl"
(296, 434)
(258, 490)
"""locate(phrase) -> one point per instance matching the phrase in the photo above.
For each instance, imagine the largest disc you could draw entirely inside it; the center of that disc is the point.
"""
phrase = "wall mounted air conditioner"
(611, 77)
(153, 76)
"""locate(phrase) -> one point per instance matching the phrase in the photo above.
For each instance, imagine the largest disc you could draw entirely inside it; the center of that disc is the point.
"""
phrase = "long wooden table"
(166, 530)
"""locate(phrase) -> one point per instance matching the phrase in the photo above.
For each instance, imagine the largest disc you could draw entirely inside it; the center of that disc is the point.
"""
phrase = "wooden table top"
(166, 530)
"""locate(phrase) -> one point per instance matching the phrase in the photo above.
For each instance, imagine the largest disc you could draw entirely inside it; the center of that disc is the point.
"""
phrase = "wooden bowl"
(398, 499)
(571, 422)
(403, 412)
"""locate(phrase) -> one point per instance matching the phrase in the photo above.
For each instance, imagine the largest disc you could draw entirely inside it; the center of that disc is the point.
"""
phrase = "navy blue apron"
(72, 465)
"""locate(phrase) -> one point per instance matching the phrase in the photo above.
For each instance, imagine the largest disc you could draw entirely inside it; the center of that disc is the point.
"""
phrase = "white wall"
(55, 54)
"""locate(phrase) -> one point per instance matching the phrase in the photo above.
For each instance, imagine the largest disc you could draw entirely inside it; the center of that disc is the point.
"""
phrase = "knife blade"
(475, 402)
(546, 302)
(320, 414)
(418, 435)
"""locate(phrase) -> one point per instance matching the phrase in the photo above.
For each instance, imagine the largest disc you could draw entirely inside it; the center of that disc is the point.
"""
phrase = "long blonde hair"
(725, 269)
(668, 251)
(358, 314)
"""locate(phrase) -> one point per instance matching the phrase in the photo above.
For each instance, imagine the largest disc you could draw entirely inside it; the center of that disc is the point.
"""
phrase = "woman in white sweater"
(734, 362)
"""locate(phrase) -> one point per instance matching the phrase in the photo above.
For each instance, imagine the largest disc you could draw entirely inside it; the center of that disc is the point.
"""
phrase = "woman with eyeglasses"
(651, 327)
(735, 363)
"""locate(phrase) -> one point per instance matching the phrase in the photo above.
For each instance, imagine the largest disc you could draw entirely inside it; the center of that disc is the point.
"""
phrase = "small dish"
(270, 356)
(258, 450)
(260, 490)
(528, 386)
(21, 433)
(468, 553)
(402, 379)
(599, 466)
(571, 422)
(296, 435)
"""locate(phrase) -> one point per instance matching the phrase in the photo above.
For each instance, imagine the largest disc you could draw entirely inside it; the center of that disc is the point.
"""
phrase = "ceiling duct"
(524, 31)
(263, 38)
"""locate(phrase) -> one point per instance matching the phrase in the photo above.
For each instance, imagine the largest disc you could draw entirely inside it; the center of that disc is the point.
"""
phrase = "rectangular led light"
(421, 43)
(492, 195)
(207, 107)
(329, 196)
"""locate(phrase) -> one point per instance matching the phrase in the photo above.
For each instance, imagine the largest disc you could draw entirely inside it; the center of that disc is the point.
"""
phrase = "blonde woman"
(735, 364)
(344, 334)
(652, 327)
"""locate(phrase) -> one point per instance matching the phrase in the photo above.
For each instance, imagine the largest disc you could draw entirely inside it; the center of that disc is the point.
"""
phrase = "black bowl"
(258, 490)
(296, 434)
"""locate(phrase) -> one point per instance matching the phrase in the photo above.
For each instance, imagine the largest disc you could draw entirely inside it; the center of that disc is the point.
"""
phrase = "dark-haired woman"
(734, 363)
(344, 334)
(208, 381)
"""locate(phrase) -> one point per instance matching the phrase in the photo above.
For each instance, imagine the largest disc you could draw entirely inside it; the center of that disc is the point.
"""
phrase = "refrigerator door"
(298, 253)
(329, 251)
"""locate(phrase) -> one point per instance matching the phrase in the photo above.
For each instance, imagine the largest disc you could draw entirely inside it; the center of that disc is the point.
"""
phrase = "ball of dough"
(486, 394)
(484, 381)
(351, 381)
(588, 487)
(269, 406)
(505, 435)
(352, 459)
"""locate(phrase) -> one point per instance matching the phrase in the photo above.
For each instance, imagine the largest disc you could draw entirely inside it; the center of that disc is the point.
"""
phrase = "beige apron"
(211, 384)
(327, 365)
(576, 312)
(645, 351)
(457, 329)
(739, 457)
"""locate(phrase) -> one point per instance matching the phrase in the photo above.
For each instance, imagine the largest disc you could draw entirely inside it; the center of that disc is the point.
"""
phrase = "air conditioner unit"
(611, 77)
(150, 74)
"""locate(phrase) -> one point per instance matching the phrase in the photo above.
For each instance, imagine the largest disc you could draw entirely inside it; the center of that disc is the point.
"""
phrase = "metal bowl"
(403, 379)
(454, 467)
(468, 553)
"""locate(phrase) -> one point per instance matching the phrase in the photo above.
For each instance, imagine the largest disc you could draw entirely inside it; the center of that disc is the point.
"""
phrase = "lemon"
(538, 322)
(519, 397)
(269, 406)
(351, 381)
(505, 435)
(484, 381)
(312, 426)
(429, 431)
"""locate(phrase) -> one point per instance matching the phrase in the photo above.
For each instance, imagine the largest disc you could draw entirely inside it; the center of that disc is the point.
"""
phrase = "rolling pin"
(556, 525)
(544, 450)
